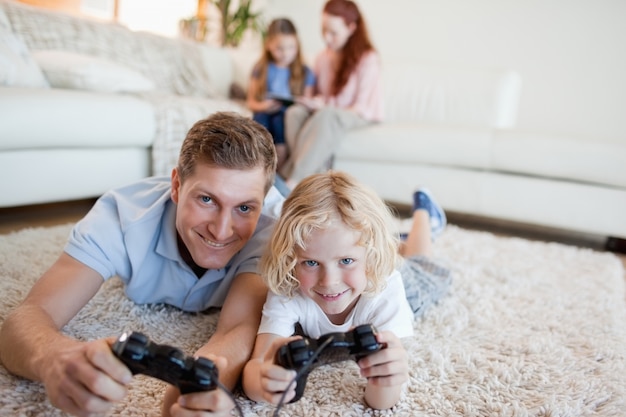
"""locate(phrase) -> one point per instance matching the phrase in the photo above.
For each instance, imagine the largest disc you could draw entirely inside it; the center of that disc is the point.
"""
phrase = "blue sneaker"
(423, 200)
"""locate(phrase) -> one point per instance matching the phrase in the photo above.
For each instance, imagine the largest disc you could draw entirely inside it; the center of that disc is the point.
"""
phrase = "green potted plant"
(236, 20)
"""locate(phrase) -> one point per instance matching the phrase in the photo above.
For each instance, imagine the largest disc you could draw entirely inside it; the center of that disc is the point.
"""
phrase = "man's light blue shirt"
(130, 232)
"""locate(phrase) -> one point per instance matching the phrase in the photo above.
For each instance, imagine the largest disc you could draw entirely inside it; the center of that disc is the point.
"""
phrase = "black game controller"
(352, 345)
(166, 363)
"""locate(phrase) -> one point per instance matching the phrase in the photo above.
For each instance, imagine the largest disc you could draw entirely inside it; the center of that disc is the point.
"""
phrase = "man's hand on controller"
(387, 367)
(85, 378)
(204, 403)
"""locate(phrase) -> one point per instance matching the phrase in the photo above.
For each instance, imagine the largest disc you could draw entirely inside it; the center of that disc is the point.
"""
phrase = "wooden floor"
(16, 218)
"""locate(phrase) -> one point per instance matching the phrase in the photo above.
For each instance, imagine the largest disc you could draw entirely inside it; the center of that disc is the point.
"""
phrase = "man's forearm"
(236, 346)
(26, 338)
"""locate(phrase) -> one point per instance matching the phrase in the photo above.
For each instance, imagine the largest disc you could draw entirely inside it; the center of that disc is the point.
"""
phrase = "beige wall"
(70, 6)
(570, 53)
(105, 9)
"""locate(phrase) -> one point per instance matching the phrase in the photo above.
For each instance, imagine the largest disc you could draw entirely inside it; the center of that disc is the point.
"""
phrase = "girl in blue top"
(278, 77)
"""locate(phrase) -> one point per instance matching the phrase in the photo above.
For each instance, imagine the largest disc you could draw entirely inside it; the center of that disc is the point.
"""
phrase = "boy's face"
(331, 270)
(217, 211)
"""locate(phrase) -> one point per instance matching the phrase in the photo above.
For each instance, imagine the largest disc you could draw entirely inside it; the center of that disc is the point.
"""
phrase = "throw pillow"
(17, 67)
(72, 70)
(5, 24)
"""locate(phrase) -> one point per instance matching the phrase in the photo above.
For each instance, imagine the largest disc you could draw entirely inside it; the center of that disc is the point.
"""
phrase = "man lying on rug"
(331, 266)
(192, 241)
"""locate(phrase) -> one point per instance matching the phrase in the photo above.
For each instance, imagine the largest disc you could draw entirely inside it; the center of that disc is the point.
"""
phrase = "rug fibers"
(528, 329)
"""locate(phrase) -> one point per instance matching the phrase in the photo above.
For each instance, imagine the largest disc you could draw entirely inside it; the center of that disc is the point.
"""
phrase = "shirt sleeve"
(369, 92)
(97, 239)
(309, 77)
(363, 93)
(121, 229)
(391, 310)
(323, 75)
(280, 314)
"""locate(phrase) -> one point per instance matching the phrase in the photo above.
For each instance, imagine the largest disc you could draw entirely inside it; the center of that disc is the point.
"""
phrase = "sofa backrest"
(176, 66)
(451, 95)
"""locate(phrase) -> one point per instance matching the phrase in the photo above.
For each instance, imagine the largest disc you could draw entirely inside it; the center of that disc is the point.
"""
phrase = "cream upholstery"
(453, 130)
(126, 103)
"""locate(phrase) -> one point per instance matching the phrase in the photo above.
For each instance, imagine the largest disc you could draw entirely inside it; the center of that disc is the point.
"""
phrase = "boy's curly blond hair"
(311, 206)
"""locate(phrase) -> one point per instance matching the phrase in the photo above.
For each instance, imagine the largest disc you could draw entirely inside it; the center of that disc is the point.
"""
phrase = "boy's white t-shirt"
(388, 310)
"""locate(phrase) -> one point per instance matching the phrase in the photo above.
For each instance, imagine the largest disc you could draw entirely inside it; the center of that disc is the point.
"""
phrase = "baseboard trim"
(518, 229)
(615, 244)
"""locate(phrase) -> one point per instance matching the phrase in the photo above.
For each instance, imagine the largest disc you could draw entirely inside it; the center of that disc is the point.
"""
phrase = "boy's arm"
(79, 377)
(386, 371)
(233, 341)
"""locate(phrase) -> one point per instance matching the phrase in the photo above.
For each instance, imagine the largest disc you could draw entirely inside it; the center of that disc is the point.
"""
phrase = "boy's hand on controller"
(274, 378)
(85, 378)
(389, 366)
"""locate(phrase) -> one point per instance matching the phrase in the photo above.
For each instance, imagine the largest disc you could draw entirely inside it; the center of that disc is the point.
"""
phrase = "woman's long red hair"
(357, 45)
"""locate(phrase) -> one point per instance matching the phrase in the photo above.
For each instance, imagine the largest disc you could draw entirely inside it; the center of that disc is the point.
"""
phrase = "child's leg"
(281, 153)
(423, 200)
(295, 118)
(418, 241)
(277, 129)
(428, 222)
(262, 118)
(425, 281)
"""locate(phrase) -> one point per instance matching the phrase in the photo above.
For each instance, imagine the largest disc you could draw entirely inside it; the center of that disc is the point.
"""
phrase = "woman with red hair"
(348, 93)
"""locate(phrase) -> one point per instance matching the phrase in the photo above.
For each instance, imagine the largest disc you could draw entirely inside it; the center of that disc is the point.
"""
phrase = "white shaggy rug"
(528, 329)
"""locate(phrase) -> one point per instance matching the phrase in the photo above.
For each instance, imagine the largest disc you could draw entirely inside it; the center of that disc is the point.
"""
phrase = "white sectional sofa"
(451, 129)
(86, 106)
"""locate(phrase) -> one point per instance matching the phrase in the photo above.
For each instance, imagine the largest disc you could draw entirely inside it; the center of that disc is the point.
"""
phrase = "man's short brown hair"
(228, 140)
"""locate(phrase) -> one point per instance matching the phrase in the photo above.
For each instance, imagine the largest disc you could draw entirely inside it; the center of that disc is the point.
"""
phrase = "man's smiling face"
(217, 211)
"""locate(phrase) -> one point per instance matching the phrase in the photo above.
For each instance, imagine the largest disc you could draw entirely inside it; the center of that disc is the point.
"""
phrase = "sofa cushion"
(56, 118)
(87, 72)
(418, 143)
(17, 67)
(528, 199)
(566, 157)
(176, 66)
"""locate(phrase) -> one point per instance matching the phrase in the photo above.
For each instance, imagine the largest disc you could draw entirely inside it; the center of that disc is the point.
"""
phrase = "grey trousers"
(426, 281)
(313, 138)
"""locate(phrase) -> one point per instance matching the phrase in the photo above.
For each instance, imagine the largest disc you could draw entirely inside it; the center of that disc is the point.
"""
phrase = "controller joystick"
(352, 345)
(166, 363)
